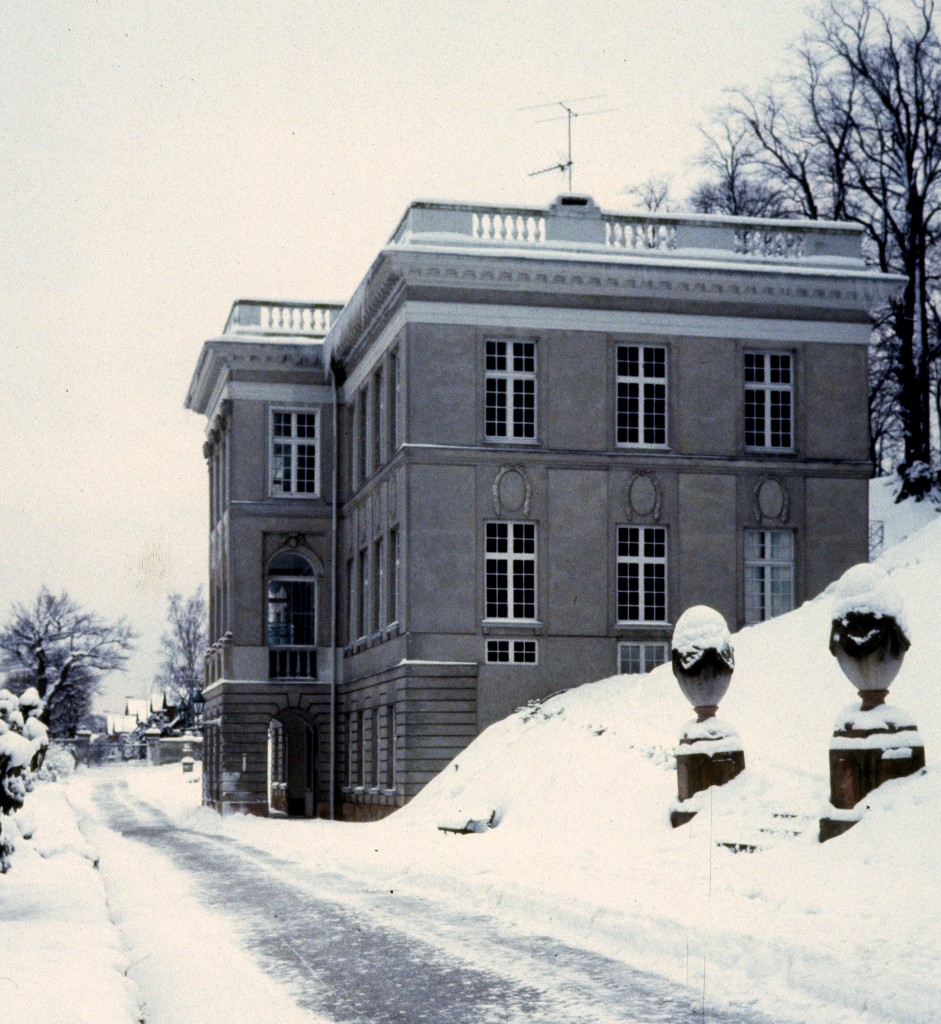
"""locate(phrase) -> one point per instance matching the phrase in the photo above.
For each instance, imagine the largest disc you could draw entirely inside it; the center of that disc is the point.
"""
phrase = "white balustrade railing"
(250, 316)
(577, 221)
(508, 226)
(780, 243)
(630, 233)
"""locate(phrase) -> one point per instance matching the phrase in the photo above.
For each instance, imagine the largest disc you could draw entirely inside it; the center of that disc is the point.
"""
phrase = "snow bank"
(62, 959)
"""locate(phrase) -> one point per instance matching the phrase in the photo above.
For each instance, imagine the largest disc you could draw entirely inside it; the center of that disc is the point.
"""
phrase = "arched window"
(292, 602)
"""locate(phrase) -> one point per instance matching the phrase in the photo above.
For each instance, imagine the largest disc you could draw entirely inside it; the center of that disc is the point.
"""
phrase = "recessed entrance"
(292, 760)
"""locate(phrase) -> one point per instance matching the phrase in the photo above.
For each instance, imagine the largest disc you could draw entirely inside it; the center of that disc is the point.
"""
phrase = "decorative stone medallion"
(512, 492)
(644, 498)
(772, 503)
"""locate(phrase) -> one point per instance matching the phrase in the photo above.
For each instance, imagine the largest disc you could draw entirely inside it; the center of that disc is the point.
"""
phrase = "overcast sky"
(160, 160)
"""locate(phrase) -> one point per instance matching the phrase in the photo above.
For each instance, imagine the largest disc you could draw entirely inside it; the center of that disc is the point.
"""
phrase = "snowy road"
(348, 953)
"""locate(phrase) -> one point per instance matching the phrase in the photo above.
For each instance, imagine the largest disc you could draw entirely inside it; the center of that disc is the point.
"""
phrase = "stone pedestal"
(709, 753)
(870, 745)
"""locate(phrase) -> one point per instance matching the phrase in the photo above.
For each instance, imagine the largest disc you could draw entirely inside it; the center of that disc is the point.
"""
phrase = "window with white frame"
(638, 658)
(769, 401)
(391, 747)
(510, 571)
(373, 781)
(512, 652)
(769, 574)
(362, 616)
(379, 585)
(351, 749)
(291, 632)
(378, 419)
(293, 457)
(365, 449)
(642, 574)
(641, 395)
(394, 430)
(363, 750)
(392, 578)
(510, 390)
(351, 599)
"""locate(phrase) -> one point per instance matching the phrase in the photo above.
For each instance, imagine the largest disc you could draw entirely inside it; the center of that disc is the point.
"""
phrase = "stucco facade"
(529, 441)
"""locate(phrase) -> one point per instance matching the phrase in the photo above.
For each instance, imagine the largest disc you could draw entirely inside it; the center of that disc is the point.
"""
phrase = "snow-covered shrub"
(59, 762)
(23, 744)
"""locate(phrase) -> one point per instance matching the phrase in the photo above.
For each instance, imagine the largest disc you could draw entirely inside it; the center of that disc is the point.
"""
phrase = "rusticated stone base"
(347, 811)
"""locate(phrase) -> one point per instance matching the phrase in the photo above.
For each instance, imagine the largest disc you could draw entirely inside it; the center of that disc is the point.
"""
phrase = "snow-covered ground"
(580, 786)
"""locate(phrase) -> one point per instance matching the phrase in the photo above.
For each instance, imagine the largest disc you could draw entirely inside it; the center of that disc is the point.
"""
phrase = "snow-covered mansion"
(530, 439)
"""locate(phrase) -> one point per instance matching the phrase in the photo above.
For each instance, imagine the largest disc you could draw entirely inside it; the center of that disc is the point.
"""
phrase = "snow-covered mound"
(579, 788)
(898, 520)
(560, 759)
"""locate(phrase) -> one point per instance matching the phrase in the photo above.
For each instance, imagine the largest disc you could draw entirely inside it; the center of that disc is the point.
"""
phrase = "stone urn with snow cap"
(710, 751)
(872, 741)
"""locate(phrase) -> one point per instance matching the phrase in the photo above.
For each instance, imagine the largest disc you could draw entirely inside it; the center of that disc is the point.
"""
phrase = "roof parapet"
(273, 318)
(575, 221)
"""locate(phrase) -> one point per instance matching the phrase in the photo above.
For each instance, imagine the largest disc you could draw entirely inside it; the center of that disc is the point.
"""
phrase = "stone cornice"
(812, 292)
(220, 356)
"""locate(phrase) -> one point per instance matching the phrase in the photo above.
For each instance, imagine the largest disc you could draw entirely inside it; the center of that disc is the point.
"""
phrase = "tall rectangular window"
(378, 419)
(510, 571)
(379, 589)
(374, 748)
(392, 578)
(510, 390)
(642, 574)
(641, 395)
(351, 598)
(293, 455)
(391, 747)
(363, 431)
(363, 595)
(363, 750)
(769, 400)
(769, 574)
(395, 403)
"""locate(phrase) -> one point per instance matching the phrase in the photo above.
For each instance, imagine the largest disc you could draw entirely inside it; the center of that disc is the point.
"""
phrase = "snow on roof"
(121, 723)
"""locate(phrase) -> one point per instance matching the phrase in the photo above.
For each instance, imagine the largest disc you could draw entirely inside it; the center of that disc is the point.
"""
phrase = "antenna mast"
(570, 113)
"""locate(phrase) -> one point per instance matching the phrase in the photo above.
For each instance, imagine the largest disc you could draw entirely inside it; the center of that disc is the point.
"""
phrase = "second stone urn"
(710, 751)
(872, 742)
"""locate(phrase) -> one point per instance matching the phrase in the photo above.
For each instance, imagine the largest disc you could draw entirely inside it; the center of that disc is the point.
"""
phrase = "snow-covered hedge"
(23, 744)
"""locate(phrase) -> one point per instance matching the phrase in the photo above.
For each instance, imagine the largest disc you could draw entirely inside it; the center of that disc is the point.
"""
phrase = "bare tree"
(853, 132)
(652, 194)
(734, 184)
(54, 644)
(184, 649)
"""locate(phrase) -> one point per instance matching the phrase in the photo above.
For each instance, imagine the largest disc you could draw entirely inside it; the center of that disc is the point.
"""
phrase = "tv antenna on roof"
(570, 113)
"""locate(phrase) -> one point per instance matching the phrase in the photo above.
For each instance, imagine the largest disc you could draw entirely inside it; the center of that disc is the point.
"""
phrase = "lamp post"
(872, 741)
(710, 751)
(199, 704)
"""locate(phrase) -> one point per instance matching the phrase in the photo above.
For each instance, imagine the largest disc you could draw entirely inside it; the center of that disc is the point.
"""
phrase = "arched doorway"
(292, 765)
